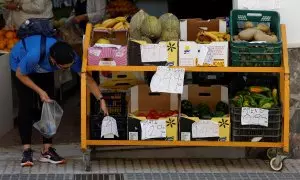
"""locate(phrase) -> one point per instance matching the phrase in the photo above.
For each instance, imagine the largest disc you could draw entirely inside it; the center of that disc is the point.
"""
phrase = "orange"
(10, 45)
(6, 50)
(10, 35)
(2, 32)
(2, 44)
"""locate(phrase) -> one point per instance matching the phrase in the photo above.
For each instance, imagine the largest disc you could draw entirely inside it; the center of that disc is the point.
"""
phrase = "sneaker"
(52, 157)
(27, 158)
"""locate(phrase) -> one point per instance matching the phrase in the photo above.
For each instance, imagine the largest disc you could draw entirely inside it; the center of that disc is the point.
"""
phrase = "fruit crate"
(115, 102)
(255, 54)
(96, 123)
(240, 132)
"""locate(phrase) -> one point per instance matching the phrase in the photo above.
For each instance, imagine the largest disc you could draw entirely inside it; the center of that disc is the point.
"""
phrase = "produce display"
(256, 97)
(259, 32)
(117, 8)
(8, 39)
(153, 30)
(203, 111)
(153, 114)
(205, 37)
(118, 23)
(59, 23)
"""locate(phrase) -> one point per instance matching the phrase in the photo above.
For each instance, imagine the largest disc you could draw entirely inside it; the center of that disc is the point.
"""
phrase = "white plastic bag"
(50, 119)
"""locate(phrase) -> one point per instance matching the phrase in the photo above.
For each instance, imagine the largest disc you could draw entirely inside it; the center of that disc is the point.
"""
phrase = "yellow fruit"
(119, 26)
(100, 28)
(126, 25)
(121, 19)
(109, 23)
(98, 25)
(103, 41)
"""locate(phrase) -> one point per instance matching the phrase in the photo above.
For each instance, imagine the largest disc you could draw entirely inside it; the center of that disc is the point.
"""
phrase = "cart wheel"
(276, 164)
(87, 160)
(272, 153)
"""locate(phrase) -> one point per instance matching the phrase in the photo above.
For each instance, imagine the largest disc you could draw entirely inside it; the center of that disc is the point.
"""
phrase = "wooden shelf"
(189, 69)
(180, 143)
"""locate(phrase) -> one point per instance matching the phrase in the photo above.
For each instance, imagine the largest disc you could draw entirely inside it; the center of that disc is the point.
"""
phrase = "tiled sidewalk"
(144, 168)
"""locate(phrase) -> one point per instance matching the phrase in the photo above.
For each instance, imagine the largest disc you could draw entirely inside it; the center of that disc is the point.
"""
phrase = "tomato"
(175, 112)
(156, 117)
(170, 113)
(162, 114)
(148, 117)
(152, 111)
(142, 114)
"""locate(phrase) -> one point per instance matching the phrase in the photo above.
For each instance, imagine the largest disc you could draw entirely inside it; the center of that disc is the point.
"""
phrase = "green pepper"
(267, 105)
(243, 93)
(258, 97)
(238, 101)
(275, 96)
(250, 100)
(246, 104)
(218, 114)
(264, 101)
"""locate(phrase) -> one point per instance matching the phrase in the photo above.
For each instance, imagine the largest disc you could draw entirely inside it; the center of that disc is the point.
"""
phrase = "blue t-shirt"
(28, 60)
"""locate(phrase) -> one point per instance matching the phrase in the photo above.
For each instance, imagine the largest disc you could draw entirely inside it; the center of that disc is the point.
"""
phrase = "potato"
(248, 24)
(263, 27)
(247, 34)
(261, 36)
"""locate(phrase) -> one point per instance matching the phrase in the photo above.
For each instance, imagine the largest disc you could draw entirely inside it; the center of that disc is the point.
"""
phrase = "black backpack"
(37, 26)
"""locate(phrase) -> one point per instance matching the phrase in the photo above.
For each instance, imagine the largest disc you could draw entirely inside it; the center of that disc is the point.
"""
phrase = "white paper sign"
(205, 129)
(109, 127)
(259, 4)
(168, 80)
(153, 129)
(154, 53)
(255, 116)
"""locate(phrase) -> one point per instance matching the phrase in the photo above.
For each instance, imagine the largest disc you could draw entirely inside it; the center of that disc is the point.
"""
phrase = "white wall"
(6, 107)
(289, 14)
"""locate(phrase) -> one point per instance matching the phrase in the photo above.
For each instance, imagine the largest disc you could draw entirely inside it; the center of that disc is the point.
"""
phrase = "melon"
(169, 22)
(151, 27)
(136, 22)
(169, 36)
(144, 38)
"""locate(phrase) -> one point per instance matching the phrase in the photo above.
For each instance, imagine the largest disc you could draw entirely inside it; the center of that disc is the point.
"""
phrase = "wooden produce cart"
(277, 150)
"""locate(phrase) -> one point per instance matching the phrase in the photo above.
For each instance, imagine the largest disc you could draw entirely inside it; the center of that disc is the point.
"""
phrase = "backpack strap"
(42, 47)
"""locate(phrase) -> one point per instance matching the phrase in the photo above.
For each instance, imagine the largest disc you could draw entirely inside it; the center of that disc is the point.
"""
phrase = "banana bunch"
(204, 37)
(118, 23)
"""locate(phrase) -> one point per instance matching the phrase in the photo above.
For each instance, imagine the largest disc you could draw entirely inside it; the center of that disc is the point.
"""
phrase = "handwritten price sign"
(153, 129)
(204, 129)
(168, 80)
(255, 116)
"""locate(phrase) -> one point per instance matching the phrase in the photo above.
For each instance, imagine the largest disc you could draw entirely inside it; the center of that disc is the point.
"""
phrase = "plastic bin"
(246, 133)
(255, 54)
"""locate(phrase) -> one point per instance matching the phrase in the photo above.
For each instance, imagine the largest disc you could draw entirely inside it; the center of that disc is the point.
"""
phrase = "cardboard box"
(119, 37)
(107, 56)
(135, 59)
(120, 80)
(191, 53)
(211, 96)
(142, 101)
(189, 28)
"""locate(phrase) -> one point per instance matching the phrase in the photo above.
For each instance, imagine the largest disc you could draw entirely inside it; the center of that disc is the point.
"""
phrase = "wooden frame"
(284, 89)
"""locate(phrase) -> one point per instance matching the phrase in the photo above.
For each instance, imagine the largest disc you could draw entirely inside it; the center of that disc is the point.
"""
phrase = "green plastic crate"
(255, 54)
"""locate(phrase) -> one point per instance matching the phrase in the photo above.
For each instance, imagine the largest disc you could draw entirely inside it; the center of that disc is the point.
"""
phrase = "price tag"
(255, 116)
(153, 129)
(168, 80)
(109, 127)
(205, 129)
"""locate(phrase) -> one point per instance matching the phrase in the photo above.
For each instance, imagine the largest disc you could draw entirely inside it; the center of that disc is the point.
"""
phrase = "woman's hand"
(78, 19)
(11, 6)
(104, 107)
(44, 97)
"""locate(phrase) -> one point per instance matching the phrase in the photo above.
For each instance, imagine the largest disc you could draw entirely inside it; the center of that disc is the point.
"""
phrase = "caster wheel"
(272, 153)
(276, 166)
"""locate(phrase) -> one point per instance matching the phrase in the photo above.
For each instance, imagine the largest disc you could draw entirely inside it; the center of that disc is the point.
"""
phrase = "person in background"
(89, 11)
(22, 10)
(32, 73)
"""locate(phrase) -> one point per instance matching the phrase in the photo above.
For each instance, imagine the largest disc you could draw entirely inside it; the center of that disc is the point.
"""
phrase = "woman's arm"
(96, 10)
(34, 7)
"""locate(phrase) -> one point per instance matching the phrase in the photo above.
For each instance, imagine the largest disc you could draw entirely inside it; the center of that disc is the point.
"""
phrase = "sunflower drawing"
(171, 46)
(171, 122)
(223, 123)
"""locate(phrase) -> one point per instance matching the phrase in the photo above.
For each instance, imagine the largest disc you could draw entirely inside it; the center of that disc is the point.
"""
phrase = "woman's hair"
(62, 53)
